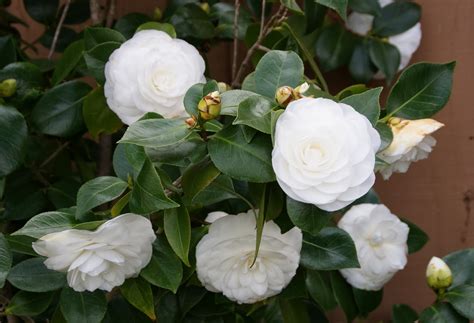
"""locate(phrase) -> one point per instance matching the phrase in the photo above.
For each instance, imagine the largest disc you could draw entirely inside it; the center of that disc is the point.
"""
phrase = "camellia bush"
(136, 187)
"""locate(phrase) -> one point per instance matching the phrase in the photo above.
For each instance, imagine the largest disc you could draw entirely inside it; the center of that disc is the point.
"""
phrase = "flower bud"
(223, 87)
(210, 106)
(205, 7)
(7, 88)
(438, 274)
(191, 122)
(157, 14)
(302, 88)
(284, 95)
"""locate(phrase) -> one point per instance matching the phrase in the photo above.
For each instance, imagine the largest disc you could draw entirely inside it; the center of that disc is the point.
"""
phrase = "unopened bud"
(438, 274)
(210, 106)
(300, 89)
(191, 122)
(223, 87)
(205, 6)
(7, 88)
(284, 95)
(394, 121)
(157, 14)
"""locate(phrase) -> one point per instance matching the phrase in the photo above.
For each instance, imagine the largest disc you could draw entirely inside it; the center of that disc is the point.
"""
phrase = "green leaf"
(167, 28)
(385, 56)
(334, 47)
(94, 36)
(197, 177)
(386, 135)
(42, 11)
(366, 103)
(422, 90)
(98, 116)
(417, 238)
(119, 206)
(249, 83)
(360, 65)
(47, 222)
(97, 57)
(461, 263)
(343, 294)
(13, 136)
(371, 7)
(233, 156)
(189, 298)
(65, 38)
(21, 244)
(191, 21)
(31, 275)
(276, 69)
(29, 82)
(441, 313)
(307, 217)
(330, 249)
(273, 120)
(156, 133)
(5, 259)
(98, 191)
(59, 111)
(255, 112)
(84, 307)
(28, 304)
(340, 6)
(128, 24)
(148, 195)
(396, 18)
(402, 313)
(177, 225)
(164, 269)
(292, 6)
(294, 310)
(68, 61)
(319, 286)
(230, 101)
(192, 97)
(128, 160)
(462, 299)
(138, 293)
(7, 51)
(219, 190)
(367, 301)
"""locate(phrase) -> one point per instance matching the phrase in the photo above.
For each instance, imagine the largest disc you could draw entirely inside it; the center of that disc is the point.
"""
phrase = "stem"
(236, 41)
(309, 57)
(110, 13)
(58, 29)
(54, 154)
(95, 12)
(176, 184)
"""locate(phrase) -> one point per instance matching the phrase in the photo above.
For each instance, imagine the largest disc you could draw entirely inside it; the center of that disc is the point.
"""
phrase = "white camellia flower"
(224, 257)
(406, 42)
(151, 73)
(381, 243)
(101, 259)
(412, 141)
(324, 153)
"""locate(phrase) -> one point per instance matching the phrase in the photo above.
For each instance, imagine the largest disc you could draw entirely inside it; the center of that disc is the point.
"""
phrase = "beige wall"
(437, 193)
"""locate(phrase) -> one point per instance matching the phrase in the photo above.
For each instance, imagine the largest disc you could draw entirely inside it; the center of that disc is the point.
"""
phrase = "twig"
(95, 12)
(58, 29)
(176, 183)
(236, 40)
(263, 48)
(277, 18)
(54, 154)
(110, 13)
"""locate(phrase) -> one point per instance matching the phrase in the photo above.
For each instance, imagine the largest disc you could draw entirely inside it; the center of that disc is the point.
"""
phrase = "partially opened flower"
(406, 42)
(101, 259)
(324, 153)
(412, 141)
(438, 274)
(151, 73)
(381, 243)
(225, 255)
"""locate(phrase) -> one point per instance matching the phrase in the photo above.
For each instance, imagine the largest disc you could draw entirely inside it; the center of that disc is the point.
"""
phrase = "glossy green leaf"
(462, 299)
(128, 24)
(360, 66)
(371, 7)
(230, 101)
(386, 135)
(307, 217)
(120, 205)
(441, 313)
(319, 286)
(156, 133)
(47, 222)
(83, 307)
(7, 51)
(197, 177)
(402, 313)
(68, 61)
(177, 225)
(138, 293)
(192, 97)
(97, 57)
(59, 111)
(233, 156)
(164, 269)
(396, 18)
(461, 263)
(385, 56)
(98, 191)
(255, 112)
(29, 304)
(367, 301)
(294, 310)
(366, 103)
(167, 28)
(5, 259)
(21, 244)
(190, 20)
(421, 91)
(276, 69)
(330, 249)
(98, 116)
(344, 297)
(31, 275)
(334, 47)
(417, 238)
(13, 136)
(128, 160)
(94, 36)
(340, 6)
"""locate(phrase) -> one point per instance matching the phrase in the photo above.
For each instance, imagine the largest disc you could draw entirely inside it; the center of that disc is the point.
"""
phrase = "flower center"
(376, 240)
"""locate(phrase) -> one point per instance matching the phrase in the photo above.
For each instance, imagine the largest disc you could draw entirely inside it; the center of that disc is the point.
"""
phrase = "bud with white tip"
(284, 95)
(438, 274)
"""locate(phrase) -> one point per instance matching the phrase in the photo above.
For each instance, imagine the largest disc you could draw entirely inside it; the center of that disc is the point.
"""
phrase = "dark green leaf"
(366, 103)
(462, 299)
(21, 244)
(386, 135)
(167, 28)
(94, 36)
(330, 249)
(233, 156)
(29, 80)
(68, 61)
(340, 6)
(292, 6)
(42, 11)
(177, 225)
(385, 56)
(230, 101)
(461, 263)
(334, 47)
(197, 177)
(7, 51)
(48, 222)
(191, 21)
(5, 259)
(192, 98)
(189, 298)
(422, 90)
(319, 286)
(294, 310)
(343, 294)
(402, 313)
(255, 112)
(417, 238)
(128, 24)
(59, 111)
(65, 38)
(396, 18)
(84, 307)
(79, 12)
(29, 304)
(441, 313)
(13, 135)
(97, 57)
(360, 65)
(371, 7)
(307, 217)
(120, 311)
(98, 116)
(138, 293)
(276, 69)
(367, 301)
(31, 275)
(128, 160)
